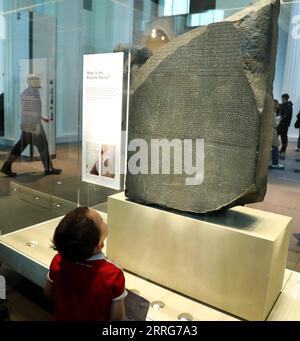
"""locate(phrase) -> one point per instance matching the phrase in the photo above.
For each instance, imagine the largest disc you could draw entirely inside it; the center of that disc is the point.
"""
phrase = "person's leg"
(42, 145)
(298, 145)
(274, 155)
(40, 141)
(284, 139)
(14, 154)
(275, 161)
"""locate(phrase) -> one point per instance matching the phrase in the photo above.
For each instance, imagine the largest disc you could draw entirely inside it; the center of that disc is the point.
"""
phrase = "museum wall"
(291, 80)
(231, 6)
(87, 32)
(68, 71)
(79, 32)
(280, 61)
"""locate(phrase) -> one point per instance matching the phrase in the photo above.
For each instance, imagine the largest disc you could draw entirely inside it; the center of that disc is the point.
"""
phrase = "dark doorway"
(197, 6)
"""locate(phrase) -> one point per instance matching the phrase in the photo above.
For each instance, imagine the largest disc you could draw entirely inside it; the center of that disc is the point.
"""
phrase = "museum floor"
(33, 198)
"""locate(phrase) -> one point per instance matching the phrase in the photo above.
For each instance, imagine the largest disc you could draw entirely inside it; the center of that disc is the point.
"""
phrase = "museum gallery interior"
(151, 147)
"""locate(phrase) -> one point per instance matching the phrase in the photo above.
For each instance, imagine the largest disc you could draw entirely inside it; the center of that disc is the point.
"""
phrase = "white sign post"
(102, 119)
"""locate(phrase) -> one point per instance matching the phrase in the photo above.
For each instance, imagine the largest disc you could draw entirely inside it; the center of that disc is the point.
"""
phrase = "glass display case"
(53, 40)
(50, 39)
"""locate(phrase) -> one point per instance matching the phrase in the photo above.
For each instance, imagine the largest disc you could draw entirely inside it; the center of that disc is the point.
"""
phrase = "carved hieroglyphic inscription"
(204, 85)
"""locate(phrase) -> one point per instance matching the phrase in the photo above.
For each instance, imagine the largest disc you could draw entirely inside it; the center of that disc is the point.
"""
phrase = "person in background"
(285, 122)
(84, 285)
(277, 110)
(275, 156)
(32, 129)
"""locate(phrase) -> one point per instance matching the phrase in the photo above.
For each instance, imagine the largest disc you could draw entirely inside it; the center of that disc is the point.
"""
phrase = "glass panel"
(106, 28)
(40, 110)
(49, 39)
(172, 7)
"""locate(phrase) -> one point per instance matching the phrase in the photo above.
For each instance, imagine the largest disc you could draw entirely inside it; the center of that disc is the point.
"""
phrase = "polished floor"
(32, 198)
(25, 300)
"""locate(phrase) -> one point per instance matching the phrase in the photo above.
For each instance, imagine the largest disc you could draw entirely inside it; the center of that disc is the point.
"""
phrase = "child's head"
(80, 234)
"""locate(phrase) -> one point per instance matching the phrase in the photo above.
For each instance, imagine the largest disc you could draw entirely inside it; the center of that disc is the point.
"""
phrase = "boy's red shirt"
(85, 291)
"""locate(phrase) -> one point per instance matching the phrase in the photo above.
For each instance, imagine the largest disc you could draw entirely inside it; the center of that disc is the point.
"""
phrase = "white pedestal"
(234, 261)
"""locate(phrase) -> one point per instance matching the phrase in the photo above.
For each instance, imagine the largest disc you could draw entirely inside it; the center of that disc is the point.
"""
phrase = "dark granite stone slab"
(213, 83)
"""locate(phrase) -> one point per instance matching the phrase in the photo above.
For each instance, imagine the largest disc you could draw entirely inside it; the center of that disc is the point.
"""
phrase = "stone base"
(234, 261)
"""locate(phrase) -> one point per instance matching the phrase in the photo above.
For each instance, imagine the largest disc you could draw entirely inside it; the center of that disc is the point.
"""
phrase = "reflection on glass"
(206, 18)
(57, 34)
(174, 7)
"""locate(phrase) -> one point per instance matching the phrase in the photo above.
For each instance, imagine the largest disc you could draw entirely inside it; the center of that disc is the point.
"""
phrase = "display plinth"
(234, 261)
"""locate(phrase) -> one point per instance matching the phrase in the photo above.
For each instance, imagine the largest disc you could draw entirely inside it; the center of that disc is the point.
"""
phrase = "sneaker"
(7, 171)
(297, 150)
(52, 171)
(278, 166)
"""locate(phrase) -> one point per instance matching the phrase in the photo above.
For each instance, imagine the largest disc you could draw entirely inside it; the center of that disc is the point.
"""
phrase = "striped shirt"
(31, 108)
